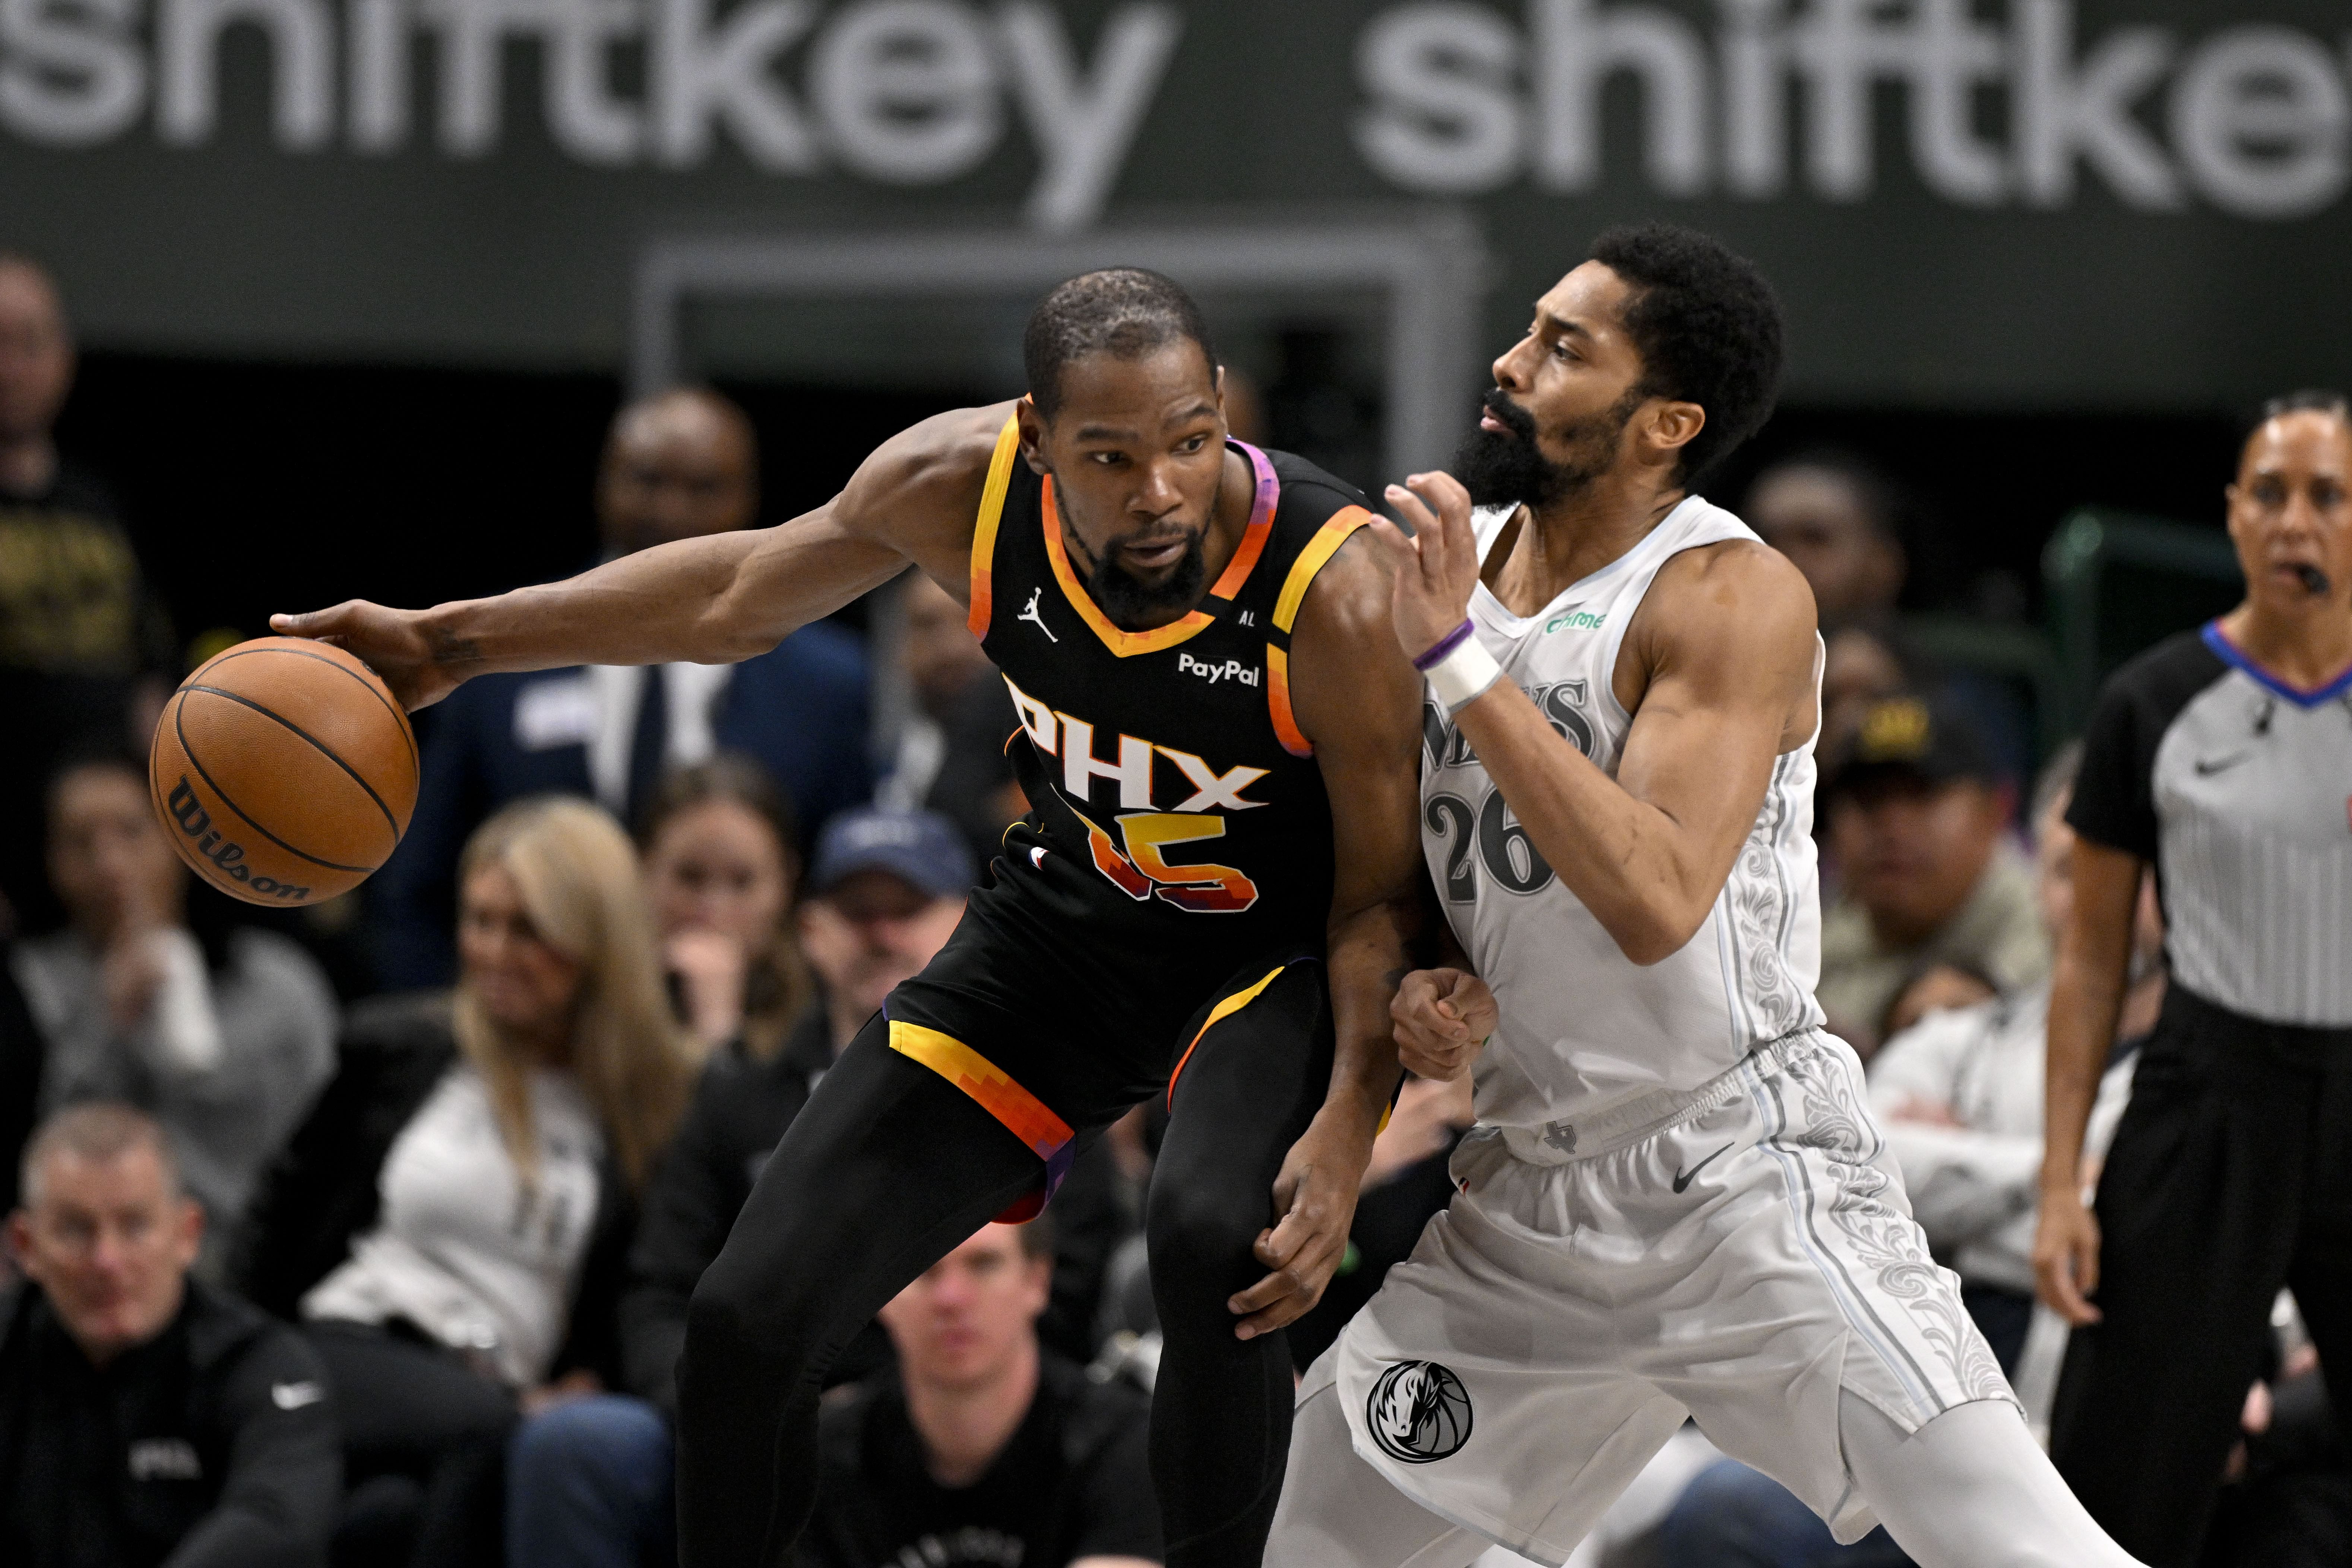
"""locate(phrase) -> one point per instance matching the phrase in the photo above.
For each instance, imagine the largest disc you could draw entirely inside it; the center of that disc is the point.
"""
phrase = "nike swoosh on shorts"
(1683, 1178)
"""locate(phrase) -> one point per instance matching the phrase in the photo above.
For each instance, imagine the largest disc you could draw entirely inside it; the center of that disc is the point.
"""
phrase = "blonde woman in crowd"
(452, 1220)
(589, 1482)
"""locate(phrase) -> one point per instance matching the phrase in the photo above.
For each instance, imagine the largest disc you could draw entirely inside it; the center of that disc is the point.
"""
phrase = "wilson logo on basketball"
(197, 824)
(1418, 1413)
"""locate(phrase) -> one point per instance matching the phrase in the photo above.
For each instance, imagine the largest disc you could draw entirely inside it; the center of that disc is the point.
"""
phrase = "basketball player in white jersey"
(1676, 1202)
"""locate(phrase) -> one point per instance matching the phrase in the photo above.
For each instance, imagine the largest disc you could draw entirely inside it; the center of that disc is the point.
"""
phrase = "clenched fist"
(1443, 1019)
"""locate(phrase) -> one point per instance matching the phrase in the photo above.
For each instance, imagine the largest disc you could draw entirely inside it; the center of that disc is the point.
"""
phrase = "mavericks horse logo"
(1418, 1412)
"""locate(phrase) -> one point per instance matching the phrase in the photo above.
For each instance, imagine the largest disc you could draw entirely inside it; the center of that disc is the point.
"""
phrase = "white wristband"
(1462, 676)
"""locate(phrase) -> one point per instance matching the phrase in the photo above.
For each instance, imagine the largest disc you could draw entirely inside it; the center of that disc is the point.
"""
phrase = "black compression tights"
(888, 1168)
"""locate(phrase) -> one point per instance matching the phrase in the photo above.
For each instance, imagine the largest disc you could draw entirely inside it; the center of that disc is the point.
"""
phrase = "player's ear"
(1033, 434)
(1671, 425)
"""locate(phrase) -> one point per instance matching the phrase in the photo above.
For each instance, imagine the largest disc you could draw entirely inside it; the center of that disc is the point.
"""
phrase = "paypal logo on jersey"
(1231, 669)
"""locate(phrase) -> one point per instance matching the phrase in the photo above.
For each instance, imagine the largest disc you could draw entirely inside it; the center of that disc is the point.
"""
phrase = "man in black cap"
(1916, 814)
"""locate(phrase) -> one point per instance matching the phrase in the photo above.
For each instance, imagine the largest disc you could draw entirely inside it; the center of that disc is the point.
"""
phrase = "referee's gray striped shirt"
(2239, 787)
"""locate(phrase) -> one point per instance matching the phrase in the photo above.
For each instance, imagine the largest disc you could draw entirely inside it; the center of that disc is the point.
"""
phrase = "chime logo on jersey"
(1134, 858)
(1418, 1413)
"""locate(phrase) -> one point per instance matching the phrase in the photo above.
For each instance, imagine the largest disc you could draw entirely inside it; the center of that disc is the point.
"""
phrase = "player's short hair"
(1707, 327)
(1124, 311)
(95, 1130)
(2304, 400)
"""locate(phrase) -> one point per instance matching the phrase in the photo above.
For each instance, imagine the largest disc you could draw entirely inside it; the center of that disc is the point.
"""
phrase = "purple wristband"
(1445, 646)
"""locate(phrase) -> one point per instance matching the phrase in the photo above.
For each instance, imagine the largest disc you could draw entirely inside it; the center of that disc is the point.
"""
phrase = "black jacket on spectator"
(1074, 1482)
(323, 1191)
(211, 1446)
(741, 1109)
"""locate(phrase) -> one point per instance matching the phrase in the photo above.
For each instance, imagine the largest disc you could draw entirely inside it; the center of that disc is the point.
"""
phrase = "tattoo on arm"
(449, 648)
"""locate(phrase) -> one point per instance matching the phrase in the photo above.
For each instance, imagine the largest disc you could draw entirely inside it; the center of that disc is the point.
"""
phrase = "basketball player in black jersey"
(1211, 900)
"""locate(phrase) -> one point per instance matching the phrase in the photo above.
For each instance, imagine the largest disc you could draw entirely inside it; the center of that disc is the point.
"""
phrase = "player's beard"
(1505, 467)
(1131, 603)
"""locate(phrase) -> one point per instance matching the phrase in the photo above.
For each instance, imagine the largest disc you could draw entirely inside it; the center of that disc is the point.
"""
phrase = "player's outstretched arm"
(2086, 997)
(1358, 701)
(1724, 646)
(708, 601)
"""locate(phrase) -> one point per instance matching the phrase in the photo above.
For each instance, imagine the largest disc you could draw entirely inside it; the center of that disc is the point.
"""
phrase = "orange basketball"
(284, 771)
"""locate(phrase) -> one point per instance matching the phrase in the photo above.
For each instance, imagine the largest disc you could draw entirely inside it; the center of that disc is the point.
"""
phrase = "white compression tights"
(1969, 1489)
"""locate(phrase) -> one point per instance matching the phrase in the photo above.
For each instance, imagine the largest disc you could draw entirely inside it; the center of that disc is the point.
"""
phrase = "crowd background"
(443, 1158)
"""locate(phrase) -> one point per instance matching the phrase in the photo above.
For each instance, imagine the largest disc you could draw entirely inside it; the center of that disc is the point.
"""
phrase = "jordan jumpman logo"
(1031, 614)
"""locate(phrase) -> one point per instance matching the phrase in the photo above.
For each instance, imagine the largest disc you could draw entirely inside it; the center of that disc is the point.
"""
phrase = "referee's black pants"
(2231, 1176)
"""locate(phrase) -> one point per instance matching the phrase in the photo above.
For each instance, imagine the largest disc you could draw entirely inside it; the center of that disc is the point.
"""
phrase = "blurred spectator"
(2286, 1500)
(1837, 518)
(144, 1418)
(1841, 523)
(454, 1216)
(591, 1482)
(884, 896)
(222, 1032)
(722, 868)
(979, 1447)
(951, 756)
(1936, 988)
(679, 466)
(84, 649)
(1730, 1516)
(1860, 669)
(21, 1053)
(1960, 1098)
(1916, 829)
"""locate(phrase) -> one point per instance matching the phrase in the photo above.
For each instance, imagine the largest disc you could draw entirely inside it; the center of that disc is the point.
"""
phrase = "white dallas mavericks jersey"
(1584, 1029)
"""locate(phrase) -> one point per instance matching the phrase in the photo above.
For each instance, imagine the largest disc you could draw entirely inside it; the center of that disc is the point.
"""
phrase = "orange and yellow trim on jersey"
(1223, 1010)
(1317, 554)
(1277, 704)
(1022, 1113)
(1253, 545)
(983, 529)
(1311, 560)
(1125, 643)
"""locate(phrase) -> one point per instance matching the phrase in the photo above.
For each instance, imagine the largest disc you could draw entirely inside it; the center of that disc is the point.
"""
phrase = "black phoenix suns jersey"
(1176, 805)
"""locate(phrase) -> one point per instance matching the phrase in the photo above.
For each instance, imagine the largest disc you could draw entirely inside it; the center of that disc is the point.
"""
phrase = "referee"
(2223, 757)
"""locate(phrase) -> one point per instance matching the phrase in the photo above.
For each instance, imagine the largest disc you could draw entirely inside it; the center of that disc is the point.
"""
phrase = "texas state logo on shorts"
(1418, 1412)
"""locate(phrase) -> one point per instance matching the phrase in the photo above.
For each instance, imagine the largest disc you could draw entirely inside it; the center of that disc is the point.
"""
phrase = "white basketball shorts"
(1742, 1257)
